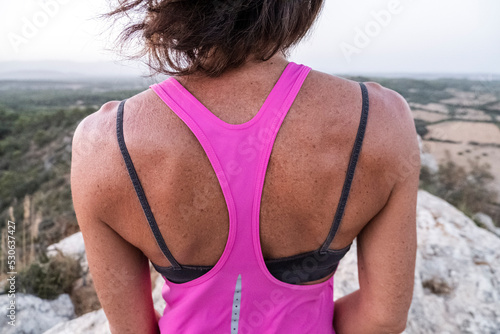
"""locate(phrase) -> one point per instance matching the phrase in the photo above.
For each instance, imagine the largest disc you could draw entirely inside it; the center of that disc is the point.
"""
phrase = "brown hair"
(181, 37)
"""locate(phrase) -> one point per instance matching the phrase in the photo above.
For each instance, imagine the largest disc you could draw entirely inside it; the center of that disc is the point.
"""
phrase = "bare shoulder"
(95, 136)
(93, 161)
(92, 135)
(390, 141)
(94, 120)
(392, 107)
(398, 137)
(386, 105)
(97, 166)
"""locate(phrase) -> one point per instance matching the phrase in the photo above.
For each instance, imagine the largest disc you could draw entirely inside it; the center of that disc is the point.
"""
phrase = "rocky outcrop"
(485, 221)
(158, 300)
(82, 293)
(96, 323)
(457, 277)
(93, 322)
(427, 160)
(72, 246)
(34, 315)
(457, 282)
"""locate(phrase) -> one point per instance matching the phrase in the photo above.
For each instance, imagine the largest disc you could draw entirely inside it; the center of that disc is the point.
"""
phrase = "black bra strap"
(350, 171)
(140, 192)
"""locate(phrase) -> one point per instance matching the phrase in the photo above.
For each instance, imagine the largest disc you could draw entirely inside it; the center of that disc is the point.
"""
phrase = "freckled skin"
(302, 187)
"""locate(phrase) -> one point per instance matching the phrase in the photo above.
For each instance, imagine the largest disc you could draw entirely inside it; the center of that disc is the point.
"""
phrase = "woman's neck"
(250, 68)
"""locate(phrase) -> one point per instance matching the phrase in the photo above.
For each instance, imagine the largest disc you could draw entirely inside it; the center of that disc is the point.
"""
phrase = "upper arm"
(119, 270)
(387, 244)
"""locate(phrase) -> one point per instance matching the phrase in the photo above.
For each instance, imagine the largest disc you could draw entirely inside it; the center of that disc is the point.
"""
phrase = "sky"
(357, 36)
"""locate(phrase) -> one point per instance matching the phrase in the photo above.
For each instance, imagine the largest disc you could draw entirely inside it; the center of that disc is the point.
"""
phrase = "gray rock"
(457, 281)
(92, 322)
(34, 315)
(72, 246)
(427, 160)
(96, 322)
(158, 300)
(485, 221)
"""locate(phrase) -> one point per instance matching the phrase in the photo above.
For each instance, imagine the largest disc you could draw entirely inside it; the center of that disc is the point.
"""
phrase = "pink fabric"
(239, 155)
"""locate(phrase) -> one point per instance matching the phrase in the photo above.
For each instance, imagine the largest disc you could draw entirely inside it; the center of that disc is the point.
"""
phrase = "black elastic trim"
(295, 269)
(306, 267)
(140, 191)
(188, 273)
(350, 171)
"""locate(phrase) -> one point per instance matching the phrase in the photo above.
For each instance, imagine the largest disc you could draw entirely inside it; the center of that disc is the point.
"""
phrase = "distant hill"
(63, 70)
(67, 70)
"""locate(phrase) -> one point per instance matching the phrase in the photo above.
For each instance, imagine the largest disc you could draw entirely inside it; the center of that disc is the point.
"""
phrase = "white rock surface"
(457, 283)
(96, 322)
(158, 300)
(457, 278)
(92, 322)
(35, 315)
(427, 159)
(486, 222)
(71, 246)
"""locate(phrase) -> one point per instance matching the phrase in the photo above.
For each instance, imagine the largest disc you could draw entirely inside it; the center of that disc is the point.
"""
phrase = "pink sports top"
(243, 292)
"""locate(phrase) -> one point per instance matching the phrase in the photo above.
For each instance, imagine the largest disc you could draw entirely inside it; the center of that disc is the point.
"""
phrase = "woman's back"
(303, 183)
